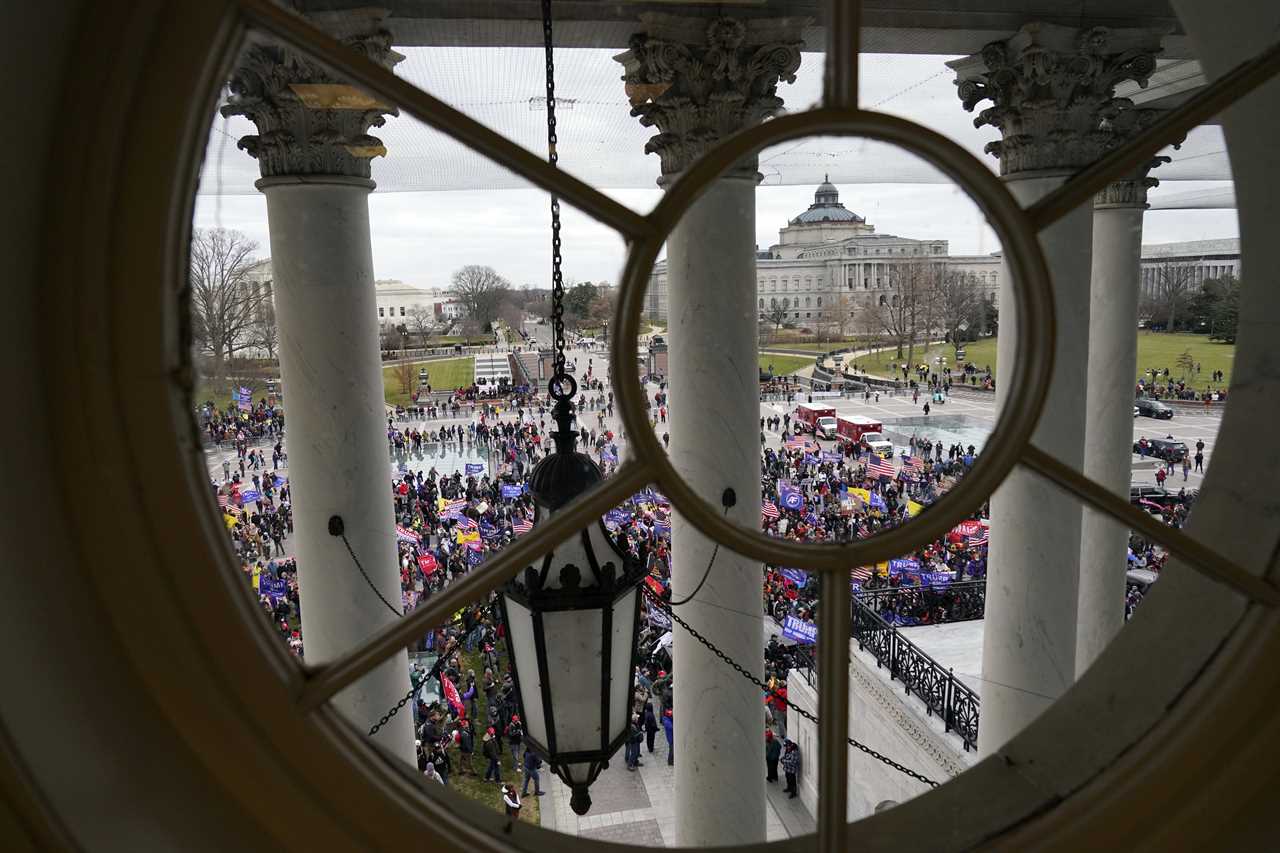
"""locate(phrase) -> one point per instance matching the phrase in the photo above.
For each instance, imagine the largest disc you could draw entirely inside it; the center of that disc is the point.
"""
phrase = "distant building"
(1207, 259)
(829, 260)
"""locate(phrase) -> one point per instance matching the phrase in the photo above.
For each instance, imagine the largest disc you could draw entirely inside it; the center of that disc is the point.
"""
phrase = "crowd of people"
(449, 522)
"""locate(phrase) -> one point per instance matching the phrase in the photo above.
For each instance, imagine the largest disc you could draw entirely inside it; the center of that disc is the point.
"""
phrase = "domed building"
(829, 264)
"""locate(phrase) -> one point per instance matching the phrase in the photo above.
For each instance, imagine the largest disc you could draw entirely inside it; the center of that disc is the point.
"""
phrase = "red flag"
(451, 695)
(427, 562)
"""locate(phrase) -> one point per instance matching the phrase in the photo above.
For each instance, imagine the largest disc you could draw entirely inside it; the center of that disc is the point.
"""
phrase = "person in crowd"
(532, 768)
(667, 726)
(772, 752)
(791, 767)
(511, 801)
(493, 754)
(650, 725)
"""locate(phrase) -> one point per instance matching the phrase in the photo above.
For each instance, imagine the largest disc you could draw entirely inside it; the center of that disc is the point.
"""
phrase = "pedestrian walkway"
(639, 807)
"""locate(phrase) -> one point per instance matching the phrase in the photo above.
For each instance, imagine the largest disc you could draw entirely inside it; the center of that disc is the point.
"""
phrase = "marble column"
(1113, 362)
(1051, 87)
(313, 150)
(697, 81)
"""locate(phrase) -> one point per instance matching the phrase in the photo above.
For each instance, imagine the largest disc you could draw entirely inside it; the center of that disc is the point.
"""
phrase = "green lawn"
(783, 364)
(1155, 349)
(472, 786)
(445, 374)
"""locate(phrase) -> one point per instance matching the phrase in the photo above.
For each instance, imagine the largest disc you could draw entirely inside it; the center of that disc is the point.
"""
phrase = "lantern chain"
(553, 157)
(693, 632)
(413, 691)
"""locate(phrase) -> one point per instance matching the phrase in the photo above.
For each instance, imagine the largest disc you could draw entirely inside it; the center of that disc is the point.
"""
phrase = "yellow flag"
(913, 508)
(468, 536)
(863, 495)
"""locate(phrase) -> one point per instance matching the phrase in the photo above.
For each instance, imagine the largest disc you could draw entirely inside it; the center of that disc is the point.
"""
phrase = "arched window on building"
(819, 301)
(773, 303)
(786, 303)
(884, 300)
(761, 304)
(895, 300)
(806, 302)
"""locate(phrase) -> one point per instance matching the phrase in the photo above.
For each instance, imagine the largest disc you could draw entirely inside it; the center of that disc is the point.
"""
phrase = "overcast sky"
(421, 237)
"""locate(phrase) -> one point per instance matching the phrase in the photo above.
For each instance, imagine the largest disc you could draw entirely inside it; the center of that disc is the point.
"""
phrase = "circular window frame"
(120, 220)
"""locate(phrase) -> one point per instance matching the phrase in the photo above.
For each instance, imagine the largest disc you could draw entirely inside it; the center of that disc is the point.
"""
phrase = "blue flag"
(789, 497)
(475, 468)
(877, 502)
(512, 491)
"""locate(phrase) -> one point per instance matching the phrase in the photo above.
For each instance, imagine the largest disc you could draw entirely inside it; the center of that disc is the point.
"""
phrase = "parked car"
(1153, 408)
(1139, 492)
(1164, 448)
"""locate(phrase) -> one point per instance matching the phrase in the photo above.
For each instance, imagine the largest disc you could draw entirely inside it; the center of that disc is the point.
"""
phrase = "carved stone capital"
(309, 121)
(1120, 128)
(1051, 88)
(699, 80)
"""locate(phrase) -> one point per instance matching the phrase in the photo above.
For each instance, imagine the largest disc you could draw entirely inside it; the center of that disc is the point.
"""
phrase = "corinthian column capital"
(1051, 88)
(699, 80)
(1119, 129)
(309, 121)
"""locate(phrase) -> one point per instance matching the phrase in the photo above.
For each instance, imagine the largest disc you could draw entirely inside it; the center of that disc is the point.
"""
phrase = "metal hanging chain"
(557, 276)
(366, 577)
(765, 687)
(413, 691)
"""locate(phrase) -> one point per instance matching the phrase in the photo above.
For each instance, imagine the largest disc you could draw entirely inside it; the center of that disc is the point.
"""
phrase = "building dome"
(826, 207)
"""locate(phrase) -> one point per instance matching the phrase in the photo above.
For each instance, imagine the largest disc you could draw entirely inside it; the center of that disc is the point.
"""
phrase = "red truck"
(816, 419)
(855, 428)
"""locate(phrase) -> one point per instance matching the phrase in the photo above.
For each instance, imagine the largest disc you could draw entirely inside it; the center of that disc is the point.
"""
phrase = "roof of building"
(1192, 248)
(826, 207)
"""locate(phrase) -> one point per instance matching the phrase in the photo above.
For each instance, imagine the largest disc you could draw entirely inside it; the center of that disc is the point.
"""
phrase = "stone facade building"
(829, 262)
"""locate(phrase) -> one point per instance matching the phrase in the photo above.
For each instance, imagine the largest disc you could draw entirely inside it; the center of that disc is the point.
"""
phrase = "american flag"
(522, 526)
(877, 467)
(983, 538)
(466, 523)
(860, 574)
(800, 442)
(768, 509)
(915, 463)
(222, 501)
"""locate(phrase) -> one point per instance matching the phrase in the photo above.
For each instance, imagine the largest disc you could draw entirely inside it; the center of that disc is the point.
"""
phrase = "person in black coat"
(650, 725)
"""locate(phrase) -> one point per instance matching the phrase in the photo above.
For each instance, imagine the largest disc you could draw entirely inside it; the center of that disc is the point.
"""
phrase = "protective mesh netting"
(602, 144)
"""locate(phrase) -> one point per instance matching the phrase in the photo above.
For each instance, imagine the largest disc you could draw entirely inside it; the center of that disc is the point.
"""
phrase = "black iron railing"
(928, 605)
(942, 693)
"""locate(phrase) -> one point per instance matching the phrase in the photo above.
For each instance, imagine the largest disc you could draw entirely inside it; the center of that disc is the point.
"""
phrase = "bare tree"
(1172, 283)
(958, 304)
(266, 335)
(480, 290)
(421, 321)
(844, 319)
(405, 373)
(225, 307)
(776, 315)
(907, 312)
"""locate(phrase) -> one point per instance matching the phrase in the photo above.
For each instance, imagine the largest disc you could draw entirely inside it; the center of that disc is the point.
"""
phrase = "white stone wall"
(885, 719)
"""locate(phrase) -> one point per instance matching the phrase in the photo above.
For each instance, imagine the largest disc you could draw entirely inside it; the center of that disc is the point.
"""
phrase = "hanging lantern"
(571, 619)
(571, 625)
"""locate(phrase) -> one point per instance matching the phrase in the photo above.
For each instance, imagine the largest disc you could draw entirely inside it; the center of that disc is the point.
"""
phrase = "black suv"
(1153, 494)
(1165, 448)
(1153, 408)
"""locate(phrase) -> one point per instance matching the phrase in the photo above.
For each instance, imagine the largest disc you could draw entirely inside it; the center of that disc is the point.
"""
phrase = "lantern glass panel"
(620, 653)
(578, 773)
(574, 643)
(520, 629)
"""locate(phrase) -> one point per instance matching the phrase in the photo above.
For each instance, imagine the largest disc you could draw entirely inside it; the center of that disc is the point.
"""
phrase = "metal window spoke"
(323, 683)
(1196, 554)
(834, 615)
(302, 35)
(1175, 124)
(844, 31)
